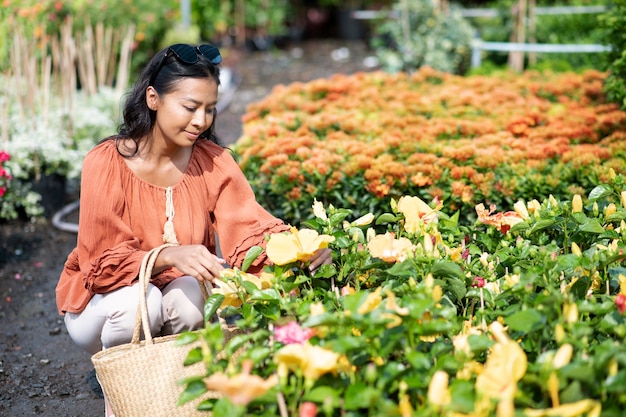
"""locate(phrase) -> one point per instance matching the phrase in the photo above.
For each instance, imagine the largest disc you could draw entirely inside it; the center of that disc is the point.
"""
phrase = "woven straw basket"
(140, 378)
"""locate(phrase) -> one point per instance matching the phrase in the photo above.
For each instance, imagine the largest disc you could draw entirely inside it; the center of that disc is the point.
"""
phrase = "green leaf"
(359, 396)
(479, 343)
(541, 224)
(268, 294)
(456, 287)
(194, 356)
(525, 320)
(251, 255)
(250, 287)
(386, 218)
(600, 191)
(447, 269)
(186, 338)
(323, 394)
(591, 225)
(337, 218)
(402, 269)
(194, 390)
(211, 305)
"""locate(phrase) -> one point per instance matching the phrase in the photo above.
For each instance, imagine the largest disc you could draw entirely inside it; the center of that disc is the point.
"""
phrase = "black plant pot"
(349, 27)
(52, 190)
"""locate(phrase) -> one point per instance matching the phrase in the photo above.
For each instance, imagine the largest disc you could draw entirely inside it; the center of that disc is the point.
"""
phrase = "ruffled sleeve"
(240, 221)
(108, 255)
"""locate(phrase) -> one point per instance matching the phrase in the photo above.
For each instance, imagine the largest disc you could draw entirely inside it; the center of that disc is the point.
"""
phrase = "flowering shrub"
(518, 314)
(51, 147)
(360, 140)
(15, 195)
(423, 33)
(5, 176)
(41, 18)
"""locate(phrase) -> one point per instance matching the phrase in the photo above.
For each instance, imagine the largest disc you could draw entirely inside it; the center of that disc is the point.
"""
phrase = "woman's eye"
(190, 109)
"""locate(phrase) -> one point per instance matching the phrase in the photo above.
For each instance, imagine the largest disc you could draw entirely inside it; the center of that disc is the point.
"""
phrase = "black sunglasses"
(188, 54)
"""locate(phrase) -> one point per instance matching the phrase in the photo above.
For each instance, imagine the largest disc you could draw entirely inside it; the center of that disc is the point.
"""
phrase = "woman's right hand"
(194, 260)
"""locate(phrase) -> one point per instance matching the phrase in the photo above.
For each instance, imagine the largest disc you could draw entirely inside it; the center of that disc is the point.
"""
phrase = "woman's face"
(185, 112)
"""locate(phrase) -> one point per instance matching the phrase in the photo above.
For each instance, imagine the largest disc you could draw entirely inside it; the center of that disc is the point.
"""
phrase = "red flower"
(478, 282)
(308, 409)
(620, 302)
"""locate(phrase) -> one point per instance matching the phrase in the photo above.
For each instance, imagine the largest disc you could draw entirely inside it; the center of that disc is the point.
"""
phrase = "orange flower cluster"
(461, 137)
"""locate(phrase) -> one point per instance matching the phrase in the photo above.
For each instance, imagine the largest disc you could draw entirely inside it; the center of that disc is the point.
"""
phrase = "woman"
(162, 179)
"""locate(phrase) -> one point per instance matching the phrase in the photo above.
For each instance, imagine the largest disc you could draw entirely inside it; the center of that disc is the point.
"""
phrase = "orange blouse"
(122, 217)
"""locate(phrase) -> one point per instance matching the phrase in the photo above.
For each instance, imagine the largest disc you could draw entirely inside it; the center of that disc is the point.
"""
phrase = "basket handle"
(145, 272)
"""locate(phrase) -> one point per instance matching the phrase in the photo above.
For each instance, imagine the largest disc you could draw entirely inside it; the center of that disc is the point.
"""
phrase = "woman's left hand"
(319, 258)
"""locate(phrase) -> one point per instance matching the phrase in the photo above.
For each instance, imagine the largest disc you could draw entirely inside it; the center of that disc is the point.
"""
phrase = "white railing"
(478, 45)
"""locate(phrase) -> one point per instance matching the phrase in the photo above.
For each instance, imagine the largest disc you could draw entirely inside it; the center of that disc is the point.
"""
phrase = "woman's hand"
(194, 260)
(319, 258)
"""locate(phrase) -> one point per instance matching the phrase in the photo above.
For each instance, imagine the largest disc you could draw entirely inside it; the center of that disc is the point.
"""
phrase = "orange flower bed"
(368, 137)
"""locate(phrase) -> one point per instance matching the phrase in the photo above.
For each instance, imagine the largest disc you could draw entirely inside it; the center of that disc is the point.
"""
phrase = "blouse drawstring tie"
(169, 234)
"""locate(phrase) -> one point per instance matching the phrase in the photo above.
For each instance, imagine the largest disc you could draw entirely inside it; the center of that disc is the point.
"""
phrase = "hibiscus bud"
(609, 210)
(534, 206)
(595, 209)
(623, 198)
(308, 409)
(576, 249)
(364, 220)
(319, 211)
(371, 373)
(577, 204)
(479, 282)
(559, 333)
(563, 356)
(612, 367)
(438, 391)
(552, 201)
(570, 312)
(347, 290)
(620, 302)
(520, 208)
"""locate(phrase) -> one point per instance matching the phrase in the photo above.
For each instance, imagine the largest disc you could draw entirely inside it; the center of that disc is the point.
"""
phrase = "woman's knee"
(183, 305)
(122, 316)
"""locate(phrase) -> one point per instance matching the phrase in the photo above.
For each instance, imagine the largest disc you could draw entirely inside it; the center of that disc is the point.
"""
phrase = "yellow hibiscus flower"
(390, 249)
(228, 288)
(297, 245)
(312, 361)
(505, 366)
(242, 388)
(417, 213)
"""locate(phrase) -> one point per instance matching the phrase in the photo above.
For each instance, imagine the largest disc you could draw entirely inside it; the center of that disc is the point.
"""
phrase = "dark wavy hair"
(138, 119)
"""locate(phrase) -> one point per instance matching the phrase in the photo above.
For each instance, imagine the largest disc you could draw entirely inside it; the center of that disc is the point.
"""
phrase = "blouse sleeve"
(239, 219)
(109, 254)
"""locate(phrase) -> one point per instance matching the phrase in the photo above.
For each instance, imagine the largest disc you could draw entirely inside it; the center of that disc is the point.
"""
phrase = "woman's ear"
(152, 98)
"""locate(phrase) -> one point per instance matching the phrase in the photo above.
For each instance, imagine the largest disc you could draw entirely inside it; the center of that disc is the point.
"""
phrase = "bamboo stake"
(16, 63)
(46, 90)
(46, 68)
(114, 40)
(532, 29)
(101, 55)
(86, 60)
(516, 58)
(123, 68)
(5, 112)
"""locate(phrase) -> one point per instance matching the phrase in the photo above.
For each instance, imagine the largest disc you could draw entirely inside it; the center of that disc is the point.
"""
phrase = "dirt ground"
(41, 371)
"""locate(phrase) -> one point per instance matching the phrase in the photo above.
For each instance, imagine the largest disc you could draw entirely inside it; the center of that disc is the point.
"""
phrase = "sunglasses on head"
(188, 54)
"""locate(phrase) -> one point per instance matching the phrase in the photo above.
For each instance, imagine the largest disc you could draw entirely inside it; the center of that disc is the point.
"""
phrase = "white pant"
(109, 319)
